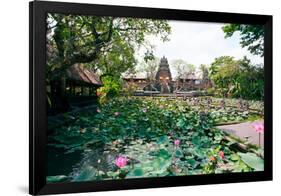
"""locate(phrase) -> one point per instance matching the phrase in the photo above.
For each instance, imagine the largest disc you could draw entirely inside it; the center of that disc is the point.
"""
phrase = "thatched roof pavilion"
(81, 75)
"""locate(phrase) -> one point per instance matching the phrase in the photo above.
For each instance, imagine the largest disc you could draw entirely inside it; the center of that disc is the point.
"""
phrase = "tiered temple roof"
(164, 72)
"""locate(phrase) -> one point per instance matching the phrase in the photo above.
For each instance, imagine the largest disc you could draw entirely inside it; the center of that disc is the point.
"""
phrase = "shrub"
(112, 86)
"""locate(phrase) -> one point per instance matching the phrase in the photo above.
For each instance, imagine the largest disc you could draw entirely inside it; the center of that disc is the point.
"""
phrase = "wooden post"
(82, 90)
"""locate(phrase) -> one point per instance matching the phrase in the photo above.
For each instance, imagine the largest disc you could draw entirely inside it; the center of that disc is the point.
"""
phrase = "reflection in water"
(80, 165)
(60, 162)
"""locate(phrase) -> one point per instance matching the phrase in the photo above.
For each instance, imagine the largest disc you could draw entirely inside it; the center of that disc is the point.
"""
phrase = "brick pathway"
(244, 131)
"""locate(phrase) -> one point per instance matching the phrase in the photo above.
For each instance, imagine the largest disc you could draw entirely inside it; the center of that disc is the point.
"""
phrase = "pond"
(131, 138)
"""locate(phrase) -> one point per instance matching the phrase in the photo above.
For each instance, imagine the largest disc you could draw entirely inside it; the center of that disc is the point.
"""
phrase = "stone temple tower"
(164, 76)
(164, 73)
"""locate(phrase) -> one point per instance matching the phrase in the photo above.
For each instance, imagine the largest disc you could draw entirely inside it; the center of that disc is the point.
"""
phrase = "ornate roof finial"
(164, 59)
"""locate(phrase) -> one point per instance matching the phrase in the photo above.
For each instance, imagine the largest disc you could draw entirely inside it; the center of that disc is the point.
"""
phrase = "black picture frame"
(37, 101)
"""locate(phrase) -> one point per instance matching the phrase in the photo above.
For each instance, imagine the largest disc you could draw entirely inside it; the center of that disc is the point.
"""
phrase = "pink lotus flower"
(116, 113)
(98, 110)
(212, 158)
(121, 161)
(177, 142)
(99, 94)
(221, 154)
(259, 127)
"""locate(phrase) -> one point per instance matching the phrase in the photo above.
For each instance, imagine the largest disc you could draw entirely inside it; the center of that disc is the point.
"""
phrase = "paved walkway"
(245, 132)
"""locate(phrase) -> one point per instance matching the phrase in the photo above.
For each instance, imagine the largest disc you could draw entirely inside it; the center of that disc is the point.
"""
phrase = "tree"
(204, 72)
(219, 62)
(86, 39)
(252, 36)
(223, 72)
(205, 75)
(183, 70)
(150, 67)
(237, 78)
(107, 44)
(118, 59)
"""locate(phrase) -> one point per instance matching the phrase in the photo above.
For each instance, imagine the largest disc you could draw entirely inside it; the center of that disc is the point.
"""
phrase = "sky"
(200, 43)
